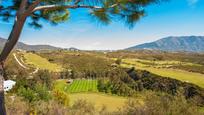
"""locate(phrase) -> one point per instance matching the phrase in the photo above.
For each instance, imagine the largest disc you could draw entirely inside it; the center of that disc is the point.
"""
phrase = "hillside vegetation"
(192, 62)
(42, 63)
(104, 82)
(165, 71)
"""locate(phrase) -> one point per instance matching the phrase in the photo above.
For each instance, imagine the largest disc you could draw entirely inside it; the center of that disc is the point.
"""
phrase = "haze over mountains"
(27, 47)
(183, 43)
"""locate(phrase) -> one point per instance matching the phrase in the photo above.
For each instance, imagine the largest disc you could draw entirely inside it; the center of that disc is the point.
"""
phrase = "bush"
(28, 94)
(161, 104)
(15, 106)
(44, 77)
(42, 92)
(39, 92)
(51, 108)
(82, 107)
(61, 97)
(118, 61)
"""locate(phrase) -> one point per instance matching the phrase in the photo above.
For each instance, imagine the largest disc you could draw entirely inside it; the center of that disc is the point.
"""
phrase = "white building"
(8, 85)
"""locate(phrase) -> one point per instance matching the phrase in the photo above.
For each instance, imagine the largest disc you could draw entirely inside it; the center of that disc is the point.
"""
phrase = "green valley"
(164, 69)
(108, 82)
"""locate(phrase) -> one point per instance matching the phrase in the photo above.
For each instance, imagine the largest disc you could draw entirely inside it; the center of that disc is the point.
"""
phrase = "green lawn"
(41, 63)
(112, 103)
(191, 77)
(77, 86)
(87, 90)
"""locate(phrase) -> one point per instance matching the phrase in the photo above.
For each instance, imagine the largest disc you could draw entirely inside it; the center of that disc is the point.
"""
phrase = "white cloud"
(192, 2)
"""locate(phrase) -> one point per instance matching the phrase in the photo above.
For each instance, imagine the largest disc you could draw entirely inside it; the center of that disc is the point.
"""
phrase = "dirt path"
(23, 66)
(19, 62)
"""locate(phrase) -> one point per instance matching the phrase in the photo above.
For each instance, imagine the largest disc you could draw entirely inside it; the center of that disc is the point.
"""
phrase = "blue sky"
(173, 18)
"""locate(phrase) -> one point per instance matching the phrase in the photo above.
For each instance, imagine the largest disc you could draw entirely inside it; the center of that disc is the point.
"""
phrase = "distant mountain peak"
(27, 47)
(174, 43)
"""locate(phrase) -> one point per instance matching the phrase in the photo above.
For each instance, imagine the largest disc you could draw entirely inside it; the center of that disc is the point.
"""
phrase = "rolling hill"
(27, 47)
(183, 43)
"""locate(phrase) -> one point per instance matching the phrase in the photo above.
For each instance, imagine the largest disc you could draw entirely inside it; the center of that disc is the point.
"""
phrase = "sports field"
(87, 90)
(77, 86)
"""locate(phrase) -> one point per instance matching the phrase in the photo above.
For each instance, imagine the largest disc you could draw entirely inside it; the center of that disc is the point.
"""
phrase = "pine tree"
(56, 11)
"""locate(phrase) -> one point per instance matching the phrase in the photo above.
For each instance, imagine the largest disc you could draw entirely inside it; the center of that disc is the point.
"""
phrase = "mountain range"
(183, 43)
(27, 47)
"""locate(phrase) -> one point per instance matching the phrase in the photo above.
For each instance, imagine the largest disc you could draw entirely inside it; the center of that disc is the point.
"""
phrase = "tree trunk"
(10, 44)
(2, 103)
(13, 38)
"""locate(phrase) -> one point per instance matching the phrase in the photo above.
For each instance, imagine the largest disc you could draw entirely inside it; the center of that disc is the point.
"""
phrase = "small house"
(8, 85)
(69, 81)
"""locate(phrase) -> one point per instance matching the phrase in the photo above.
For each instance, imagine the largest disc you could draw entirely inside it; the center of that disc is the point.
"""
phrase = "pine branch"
(54, 7)
(77, 1)
(34, 4)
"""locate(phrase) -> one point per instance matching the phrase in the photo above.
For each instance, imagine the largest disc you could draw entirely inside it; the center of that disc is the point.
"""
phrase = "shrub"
(44, 77)
(50, 108)
(160, 104)
(118, 61)
(82, 107)
(39, 92)
(15, 106)
(61, 97)
(42, 92)
(28, 94)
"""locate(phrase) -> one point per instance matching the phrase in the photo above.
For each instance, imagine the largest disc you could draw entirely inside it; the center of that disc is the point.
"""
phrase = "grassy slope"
(186, 76)
(77, 86)
(83, 87)
(40, 62)
(112, 103)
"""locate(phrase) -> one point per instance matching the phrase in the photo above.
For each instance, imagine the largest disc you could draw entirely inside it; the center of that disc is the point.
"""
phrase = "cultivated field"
(41, 63)
(162, 68)
(77, 86)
